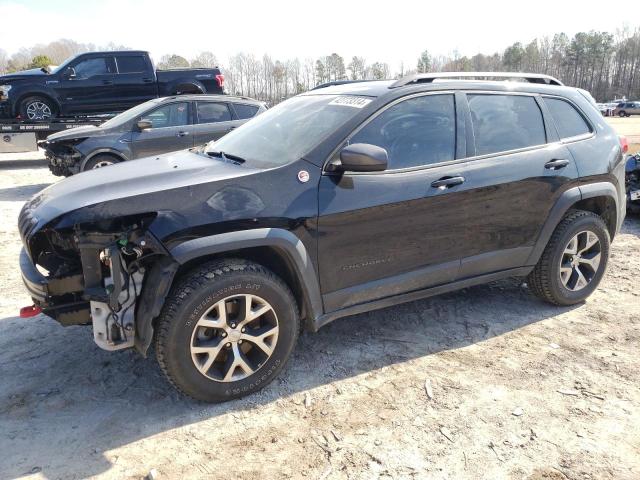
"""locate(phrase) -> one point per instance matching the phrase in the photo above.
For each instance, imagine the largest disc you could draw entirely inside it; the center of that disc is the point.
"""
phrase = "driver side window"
(91, 67)
(416, 132)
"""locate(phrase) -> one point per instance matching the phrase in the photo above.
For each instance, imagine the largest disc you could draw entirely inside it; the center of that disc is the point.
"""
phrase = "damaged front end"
(63, 158)
(94, 274)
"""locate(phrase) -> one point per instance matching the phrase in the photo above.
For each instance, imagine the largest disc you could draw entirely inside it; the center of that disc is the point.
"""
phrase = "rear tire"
(100, 161)
(568, 272)
(37, 108)
(226, 330)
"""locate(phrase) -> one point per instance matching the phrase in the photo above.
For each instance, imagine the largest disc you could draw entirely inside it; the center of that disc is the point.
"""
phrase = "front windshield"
(128, 115)
(60, 68)
(289, 130)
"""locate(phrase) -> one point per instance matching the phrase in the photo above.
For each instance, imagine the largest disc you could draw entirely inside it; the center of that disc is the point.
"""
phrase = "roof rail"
(339, 82)
(430, 77)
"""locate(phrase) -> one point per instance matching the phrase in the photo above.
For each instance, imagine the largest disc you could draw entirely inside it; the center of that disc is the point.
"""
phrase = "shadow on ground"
(97, 401)
(21, 193)
(22, 164)
(64, 403)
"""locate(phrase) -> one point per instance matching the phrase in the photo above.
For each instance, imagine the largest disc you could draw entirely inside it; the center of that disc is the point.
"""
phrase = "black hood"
(23, 74)
(136, 184)
(73, 133)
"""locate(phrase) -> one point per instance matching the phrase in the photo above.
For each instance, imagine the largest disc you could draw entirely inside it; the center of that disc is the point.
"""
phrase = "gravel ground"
(516, 389)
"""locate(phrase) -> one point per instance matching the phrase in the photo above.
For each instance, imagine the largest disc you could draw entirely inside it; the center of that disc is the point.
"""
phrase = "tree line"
(606, 64)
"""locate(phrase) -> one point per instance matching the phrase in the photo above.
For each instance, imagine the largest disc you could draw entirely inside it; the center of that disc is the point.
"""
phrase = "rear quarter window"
(505, 122)
(569, 122)
(245, 111)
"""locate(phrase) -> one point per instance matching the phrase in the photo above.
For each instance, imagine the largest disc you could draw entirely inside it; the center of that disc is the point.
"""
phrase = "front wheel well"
(45, 96)
(603, 206)
(118, 157)
(187, 88)
(272, 258)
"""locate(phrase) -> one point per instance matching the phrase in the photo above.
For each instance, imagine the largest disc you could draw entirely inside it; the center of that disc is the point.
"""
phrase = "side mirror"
(70, 72)
(144, 125)
(363, 157)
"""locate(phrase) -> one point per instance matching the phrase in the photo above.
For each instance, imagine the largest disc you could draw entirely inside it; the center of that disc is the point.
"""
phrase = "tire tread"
(194, 281)
(539, 280)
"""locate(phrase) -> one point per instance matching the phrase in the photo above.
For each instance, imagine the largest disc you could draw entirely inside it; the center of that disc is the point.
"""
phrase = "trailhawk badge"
(303, 176)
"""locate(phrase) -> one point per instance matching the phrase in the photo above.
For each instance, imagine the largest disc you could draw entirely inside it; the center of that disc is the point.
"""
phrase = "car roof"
(513, 81)
(383, 88)
(115, 52)
(211, 97)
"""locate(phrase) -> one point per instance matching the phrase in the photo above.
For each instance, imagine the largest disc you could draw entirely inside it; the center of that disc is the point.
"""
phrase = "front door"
(88, 86)
(387, 233)
(171, 130)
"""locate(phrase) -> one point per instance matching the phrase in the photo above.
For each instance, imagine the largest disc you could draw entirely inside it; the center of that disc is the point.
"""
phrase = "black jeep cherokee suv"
(341, 200)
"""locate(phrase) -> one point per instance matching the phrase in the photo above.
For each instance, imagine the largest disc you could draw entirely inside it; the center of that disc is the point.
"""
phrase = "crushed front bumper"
(62, 161)
(58, 297)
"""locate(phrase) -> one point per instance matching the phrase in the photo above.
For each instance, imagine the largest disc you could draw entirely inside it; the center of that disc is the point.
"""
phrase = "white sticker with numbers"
(351, 101)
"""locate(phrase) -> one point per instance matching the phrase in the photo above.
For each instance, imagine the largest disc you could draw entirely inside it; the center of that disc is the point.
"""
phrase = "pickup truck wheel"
(37, 108)
(100, 161)
(226, 330)
(573, 261)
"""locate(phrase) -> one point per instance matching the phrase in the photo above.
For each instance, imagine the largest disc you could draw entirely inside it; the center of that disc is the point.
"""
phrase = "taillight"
(624, 143)
(220, 80)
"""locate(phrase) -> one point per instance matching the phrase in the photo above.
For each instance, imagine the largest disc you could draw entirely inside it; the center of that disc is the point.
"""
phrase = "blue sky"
(378, 30)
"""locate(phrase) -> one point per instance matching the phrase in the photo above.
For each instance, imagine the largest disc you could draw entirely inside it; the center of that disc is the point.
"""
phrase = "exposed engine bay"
(93, 277)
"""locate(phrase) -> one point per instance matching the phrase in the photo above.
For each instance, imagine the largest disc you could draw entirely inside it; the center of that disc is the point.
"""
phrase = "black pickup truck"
(96, 83)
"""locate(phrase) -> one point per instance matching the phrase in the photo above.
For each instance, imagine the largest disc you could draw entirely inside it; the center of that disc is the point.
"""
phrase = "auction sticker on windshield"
(351, 101)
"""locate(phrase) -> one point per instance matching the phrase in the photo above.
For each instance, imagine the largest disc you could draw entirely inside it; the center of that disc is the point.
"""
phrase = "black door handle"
(147, 80)
(556, 164)
(183, 134)
(447, 182)
(107, 82)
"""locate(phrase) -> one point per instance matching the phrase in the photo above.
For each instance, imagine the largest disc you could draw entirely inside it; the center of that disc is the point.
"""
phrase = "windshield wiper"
(226, 156)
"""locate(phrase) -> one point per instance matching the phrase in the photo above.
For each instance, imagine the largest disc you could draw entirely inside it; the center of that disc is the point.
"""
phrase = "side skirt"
(322, 320)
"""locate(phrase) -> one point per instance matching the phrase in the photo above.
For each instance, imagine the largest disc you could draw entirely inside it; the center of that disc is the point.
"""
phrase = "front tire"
(573, 261)
(37, 108)
(100, 161)
(226, 330)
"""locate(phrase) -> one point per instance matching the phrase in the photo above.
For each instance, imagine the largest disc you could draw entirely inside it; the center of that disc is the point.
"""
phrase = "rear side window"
(568, 120)
(131, 64)
(245, 111)
(211, 112)
(172, 115)
(415, 132)
(505, 122)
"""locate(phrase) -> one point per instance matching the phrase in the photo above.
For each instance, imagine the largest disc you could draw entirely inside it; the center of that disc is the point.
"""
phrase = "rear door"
(171, 130)
(213, 120)
(134, 81)
(90, 87)
(516, 171)
(387, 233)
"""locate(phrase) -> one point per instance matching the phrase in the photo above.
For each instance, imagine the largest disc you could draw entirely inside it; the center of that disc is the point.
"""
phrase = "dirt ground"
(517, 389)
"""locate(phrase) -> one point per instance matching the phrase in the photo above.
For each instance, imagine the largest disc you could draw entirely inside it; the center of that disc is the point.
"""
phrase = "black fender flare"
(279, 238)
(567, 199)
